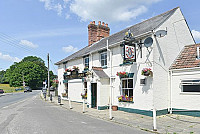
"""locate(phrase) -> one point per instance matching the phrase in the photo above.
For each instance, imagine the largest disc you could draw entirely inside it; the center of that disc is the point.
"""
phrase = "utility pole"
(48, 76)
(23, 80)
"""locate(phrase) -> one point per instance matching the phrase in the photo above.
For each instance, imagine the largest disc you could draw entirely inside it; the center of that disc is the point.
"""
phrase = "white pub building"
(130, 68)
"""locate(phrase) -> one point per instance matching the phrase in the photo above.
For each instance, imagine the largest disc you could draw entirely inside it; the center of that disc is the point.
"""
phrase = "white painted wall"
(189, 101)
(159, 57)
(75, 89)
(166, 49)
(61, 86)
(104, 91)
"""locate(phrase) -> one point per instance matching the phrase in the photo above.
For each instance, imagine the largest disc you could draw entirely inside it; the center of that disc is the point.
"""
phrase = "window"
(190, 85)
(86, 61)
(65, 66)
(127, 87)
(103, 59)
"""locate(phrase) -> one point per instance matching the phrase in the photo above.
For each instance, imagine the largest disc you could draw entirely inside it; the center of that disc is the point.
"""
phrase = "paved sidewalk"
(167, 124)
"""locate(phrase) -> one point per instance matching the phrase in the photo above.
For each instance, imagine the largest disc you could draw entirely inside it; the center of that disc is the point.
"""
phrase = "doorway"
(94, 95)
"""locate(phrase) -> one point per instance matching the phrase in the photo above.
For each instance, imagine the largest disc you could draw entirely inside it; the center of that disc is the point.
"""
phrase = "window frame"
(105, 62)
(86, 64)
(191, 82)
(127, 86)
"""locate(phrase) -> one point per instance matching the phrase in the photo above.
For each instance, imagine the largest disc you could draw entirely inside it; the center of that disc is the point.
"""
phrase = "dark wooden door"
(94, 94)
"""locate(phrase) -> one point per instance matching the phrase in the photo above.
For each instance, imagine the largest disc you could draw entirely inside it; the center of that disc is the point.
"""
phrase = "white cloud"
(67, 16)
(28, 44)
(69, 49)
(110, 10)
(196, 34)
(9, 58)
(51, 5)
(104, 10)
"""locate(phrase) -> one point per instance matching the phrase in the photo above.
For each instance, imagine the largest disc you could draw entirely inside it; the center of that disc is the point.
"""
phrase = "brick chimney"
(97, 32)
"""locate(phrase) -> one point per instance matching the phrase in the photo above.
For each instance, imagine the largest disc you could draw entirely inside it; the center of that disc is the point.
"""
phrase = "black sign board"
(142, 81)
(51, 97)
(59, 99)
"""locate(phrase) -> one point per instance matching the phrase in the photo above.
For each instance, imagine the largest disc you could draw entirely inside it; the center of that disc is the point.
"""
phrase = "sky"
(59, 27)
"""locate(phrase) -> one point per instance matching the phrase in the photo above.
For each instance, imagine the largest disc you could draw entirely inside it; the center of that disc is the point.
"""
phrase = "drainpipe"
(110, 105)
(170, 91)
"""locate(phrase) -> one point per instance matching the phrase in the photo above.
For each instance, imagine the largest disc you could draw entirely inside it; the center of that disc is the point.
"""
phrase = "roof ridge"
(140, 23)
(137, 29)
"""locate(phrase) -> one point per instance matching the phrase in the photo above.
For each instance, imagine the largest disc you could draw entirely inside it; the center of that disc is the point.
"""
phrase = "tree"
(2, 77)
(31, 68)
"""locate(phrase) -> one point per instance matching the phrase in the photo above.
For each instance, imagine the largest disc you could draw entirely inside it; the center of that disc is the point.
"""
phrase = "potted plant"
(75, 68)
(122, 74)
(84, 95)
(146, 71)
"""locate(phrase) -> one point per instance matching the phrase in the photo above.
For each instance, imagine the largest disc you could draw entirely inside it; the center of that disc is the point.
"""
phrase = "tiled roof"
(187, 58)
(99, 71)
(138, 29)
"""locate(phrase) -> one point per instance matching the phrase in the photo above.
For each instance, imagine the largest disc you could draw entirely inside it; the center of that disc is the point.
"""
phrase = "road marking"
(19, 102)
(83, 122)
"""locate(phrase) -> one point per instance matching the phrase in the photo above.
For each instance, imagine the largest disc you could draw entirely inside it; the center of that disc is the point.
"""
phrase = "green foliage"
(2, 78)
(32, 68)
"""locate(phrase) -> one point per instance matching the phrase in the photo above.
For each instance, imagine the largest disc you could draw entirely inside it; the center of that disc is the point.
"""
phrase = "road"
(10, 98)
(35, 116)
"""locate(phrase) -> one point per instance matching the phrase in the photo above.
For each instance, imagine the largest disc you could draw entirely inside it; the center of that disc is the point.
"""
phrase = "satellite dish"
(148, 42)
(160, 33)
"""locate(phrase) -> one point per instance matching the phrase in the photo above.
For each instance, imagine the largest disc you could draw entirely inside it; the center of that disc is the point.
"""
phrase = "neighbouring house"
(185, 82)
(130, 68)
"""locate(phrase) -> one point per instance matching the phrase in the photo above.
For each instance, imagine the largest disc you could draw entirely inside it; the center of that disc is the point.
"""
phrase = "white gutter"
(170, 91)
(110, 105)
(115, 44)
(181, 69)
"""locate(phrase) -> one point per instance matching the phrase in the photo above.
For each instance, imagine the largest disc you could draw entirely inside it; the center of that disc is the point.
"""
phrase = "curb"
(98, 117)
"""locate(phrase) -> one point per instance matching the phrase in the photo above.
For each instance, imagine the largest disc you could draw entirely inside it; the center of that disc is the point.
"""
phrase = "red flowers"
(75, 68)
(146, 71)
(68, 70)
(122, 74)
(55, 81)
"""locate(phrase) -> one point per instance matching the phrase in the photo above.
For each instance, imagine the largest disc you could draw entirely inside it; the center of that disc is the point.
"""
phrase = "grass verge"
(7, 89)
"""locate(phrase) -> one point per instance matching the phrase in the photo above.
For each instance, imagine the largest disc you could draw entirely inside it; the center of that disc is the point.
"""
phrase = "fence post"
(154, 120)
(70, 105)
(83, 105)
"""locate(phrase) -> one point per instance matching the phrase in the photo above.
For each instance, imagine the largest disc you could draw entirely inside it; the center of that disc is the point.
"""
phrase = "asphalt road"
(34, 116)
(10, 98)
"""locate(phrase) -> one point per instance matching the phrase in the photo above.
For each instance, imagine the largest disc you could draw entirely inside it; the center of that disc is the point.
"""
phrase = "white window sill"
(190, 93)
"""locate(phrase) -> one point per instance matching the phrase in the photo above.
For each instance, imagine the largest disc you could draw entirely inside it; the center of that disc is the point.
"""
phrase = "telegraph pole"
(48, 76)
(23, 80)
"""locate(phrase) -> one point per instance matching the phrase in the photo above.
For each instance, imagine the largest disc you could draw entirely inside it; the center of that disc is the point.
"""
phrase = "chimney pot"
(99, 23)
(97, 32)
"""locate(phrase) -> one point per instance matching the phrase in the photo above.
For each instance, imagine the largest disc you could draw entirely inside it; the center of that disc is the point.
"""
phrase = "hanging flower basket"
(86, 69)
(147, 72)
(122, 74)
(68, 70)
(123, 98)
(75, 68)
